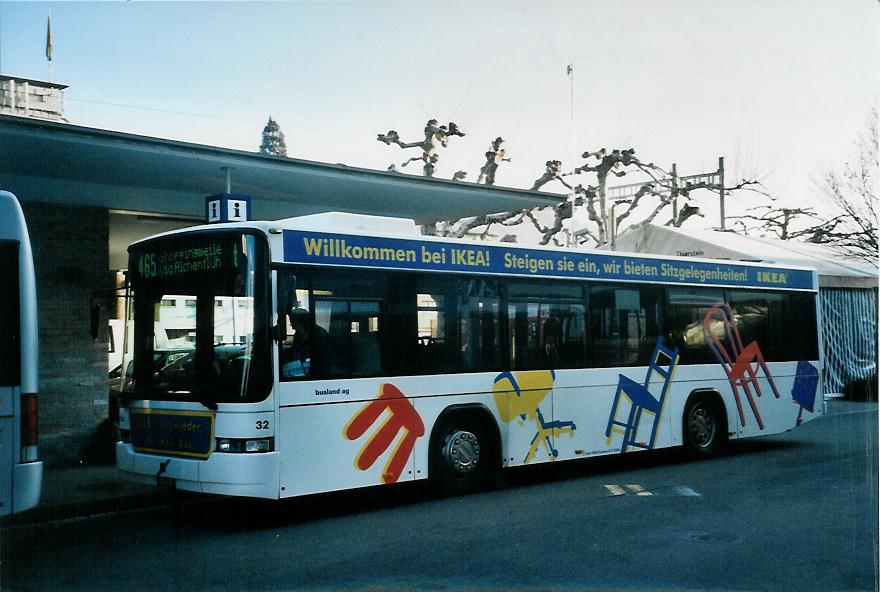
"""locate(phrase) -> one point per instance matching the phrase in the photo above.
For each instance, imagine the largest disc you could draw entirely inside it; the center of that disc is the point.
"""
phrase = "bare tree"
(619, 163)
(494, 157)
(435, 137)
(853, 192)
(660, 190)
(779, 222)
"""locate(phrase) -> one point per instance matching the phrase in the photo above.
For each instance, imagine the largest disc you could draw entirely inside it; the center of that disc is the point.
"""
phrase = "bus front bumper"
(247, 475)
(27, 479)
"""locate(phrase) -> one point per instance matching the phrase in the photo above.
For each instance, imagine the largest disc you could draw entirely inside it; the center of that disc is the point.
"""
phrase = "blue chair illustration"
(804, 389)
(663, 361)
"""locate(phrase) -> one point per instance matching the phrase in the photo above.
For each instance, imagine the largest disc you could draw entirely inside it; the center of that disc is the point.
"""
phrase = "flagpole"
(49, 43)
(570, 71)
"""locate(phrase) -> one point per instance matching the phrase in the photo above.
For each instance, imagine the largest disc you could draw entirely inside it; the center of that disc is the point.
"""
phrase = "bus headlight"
(242, 445)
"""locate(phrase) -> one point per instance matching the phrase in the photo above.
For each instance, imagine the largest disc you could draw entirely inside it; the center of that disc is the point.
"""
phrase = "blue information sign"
(413, 254)
(227, 207)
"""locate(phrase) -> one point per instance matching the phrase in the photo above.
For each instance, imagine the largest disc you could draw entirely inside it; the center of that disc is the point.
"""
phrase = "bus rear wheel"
(705, 426)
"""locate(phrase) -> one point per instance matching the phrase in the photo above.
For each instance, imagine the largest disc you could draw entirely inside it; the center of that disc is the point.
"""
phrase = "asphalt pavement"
(87, 490)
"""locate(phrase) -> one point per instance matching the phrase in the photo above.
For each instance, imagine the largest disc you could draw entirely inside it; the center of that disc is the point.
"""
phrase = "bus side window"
(435, 303)
(480, 325)
(353, 337)
(759, 318)
(625, 323)
(546, 335)
(686, 312)
(800, 339)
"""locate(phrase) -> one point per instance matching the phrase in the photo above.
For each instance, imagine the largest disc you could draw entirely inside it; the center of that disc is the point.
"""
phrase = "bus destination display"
(196, 257)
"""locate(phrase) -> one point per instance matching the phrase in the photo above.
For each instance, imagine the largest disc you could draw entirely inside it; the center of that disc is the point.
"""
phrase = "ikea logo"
(773, 277)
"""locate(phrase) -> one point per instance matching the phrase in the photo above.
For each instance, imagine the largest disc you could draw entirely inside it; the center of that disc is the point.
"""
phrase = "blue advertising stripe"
(396, 253)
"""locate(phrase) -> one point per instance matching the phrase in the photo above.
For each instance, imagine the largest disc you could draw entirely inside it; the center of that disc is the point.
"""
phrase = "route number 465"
(147, 265)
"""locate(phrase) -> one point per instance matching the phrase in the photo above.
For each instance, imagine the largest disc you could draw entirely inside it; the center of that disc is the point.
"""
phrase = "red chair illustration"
(663, 362)
(741, 364)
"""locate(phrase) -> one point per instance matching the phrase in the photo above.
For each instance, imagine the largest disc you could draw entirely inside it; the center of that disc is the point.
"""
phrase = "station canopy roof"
(63, 163)
(835, 270)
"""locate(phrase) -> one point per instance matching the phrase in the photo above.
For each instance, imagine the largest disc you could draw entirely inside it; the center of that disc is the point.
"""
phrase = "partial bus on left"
(21, 472)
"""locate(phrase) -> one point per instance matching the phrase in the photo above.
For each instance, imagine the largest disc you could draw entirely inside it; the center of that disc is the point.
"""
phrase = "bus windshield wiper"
(139, 394)
(199, 395)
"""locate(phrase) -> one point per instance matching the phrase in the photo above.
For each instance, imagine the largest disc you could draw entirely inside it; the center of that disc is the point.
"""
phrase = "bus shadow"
(245, 514)
(644, 460)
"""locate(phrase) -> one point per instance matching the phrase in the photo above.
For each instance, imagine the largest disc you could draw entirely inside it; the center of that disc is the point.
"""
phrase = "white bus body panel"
(313, 453)
(317, 456)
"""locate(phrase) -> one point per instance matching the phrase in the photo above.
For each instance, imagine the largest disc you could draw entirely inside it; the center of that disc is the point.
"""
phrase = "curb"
(83, 509)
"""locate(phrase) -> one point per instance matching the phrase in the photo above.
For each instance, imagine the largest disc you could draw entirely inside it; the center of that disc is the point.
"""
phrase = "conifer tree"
(273, 139)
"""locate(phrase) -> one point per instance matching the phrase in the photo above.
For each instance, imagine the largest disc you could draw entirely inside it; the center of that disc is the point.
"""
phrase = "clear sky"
(780, 88)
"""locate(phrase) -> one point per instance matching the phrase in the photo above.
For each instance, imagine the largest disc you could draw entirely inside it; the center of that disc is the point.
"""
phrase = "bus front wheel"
(705, 426)
(462, 454)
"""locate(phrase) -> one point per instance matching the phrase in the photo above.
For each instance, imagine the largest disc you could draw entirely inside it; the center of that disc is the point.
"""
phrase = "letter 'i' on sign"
(226, 207)
(214, 210)
(237, 210)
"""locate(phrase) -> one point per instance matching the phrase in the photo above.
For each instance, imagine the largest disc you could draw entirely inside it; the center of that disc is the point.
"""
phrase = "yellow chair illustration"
(519, 395)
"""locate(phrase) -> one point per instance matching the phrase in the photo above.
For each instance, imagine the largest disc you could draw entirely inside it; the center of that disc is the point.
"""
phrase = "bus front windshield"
(198, 310)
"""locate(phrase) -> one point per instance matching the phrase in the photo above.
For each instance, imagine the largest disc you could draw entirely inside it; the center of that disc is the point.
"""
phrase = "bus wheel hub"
(461, 452)
(702, 427)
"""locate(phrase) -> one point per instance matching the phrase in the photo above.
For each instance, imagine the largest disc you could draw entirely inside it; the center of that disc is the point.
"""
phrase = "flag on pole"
(49, 37)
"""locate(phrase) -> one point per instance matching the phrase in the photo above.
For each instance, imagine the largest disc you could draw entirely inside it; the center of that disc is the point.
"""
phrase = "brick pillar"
(71, 259)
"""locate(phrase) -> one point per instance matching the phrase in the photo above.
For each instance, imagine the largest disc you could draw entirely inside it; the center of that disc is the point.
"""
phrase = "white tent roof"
(835, 270)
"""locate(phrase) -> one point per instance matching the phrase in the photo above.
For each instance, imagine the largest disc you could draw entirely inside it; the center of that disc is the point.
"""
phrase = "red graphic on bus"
(402, 417)
(740, 363)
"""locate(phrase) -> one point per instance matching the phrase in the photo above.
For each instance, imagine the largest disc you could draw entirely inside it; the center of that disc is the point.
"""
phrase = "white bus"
(21, 474)
(368, 354)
